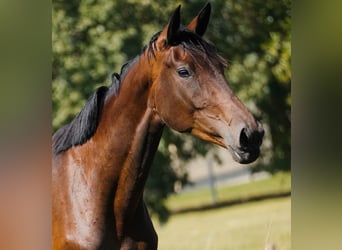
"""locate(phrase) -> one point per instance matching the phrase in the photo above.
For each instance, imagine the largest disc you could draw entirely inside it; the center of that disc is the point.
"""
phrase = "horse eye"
(183, 72)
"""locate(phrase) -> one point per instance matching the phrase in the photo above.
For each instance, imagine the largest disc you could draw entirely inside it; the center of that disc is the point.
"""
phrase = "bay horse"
(102, 158)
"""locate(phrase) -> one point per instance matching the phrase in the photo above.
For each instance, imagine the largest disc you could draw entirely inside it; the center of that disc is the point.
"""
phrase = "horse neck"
(128, 135)
(129, 118)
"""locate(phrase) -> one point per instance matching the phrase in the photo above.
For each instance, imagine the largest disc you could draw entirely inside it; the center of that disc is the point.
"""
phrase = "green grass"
(280, 182)
(249, 226)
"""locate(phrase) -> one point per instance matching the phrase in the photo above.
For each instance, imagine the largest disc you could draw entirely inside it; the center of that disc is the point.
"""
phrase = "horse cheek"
(173, 111)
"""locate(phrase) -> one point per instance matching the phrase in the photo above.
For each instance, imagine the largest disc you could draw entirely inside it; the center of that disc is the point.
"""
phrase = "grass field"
(278, 183)
(249, 226)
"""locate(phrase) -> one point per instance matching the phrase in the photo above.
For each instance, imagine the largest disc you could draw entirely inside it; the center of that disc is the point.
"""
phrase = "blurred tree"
(92, 39)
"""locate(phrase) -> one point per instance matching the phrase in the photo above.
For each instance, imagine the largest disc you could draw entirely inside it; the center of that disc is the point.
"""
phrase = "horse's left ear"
(168, 35)
(200, 22)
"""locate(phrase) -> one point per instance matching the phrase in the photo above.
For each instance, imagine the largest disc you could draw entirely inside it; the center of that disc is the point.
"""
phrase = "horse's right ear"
(200, 22)
(168, 36)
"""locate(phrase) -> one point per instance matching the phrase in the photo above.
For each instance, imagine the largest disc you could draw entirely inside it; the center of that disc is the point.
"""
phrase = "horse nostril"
(251, 138)
(244, 138)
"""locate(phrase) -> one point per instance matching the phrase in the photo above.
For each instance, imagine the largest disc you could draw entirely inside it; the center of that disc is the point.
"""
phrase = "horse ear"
(168, 34)
(200, 22)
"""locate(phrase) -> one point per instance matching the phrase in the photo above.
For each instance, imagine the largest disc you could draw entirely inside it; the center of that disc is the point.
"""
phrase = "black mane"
(83, 126)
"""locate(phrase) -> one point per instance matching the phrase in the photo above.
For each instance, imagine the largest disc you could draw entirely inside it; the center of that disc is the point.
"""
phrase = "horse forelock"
(192, 42)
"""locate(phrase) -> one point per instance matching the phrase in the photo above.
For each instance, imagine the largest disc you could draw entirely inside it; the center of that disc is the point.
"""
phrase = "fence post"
(211, 178)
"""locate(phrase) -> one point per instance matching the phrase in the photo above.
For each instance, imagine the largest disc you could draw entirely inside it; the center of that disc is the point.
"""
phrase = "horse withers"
(102, 158)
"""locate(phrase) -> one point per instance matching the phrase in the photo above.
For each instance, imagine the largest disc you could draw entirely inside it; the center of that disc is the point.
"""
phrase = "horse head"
(191, 94)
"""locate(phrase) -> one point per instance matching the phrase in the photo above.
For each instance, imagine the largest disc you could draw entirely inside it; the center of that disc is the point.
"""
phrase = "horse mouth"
(240, 155)
(244, 156)
(242, 150)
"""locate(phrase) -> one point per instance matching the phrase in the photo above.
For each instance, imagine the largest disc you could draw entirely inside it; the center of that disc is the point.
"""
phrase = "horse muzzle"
(246, 148)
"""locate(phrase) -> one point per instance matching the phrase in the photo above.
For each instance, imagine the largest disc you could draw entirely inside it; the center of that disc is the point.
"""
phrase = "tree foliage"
(92, 39)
